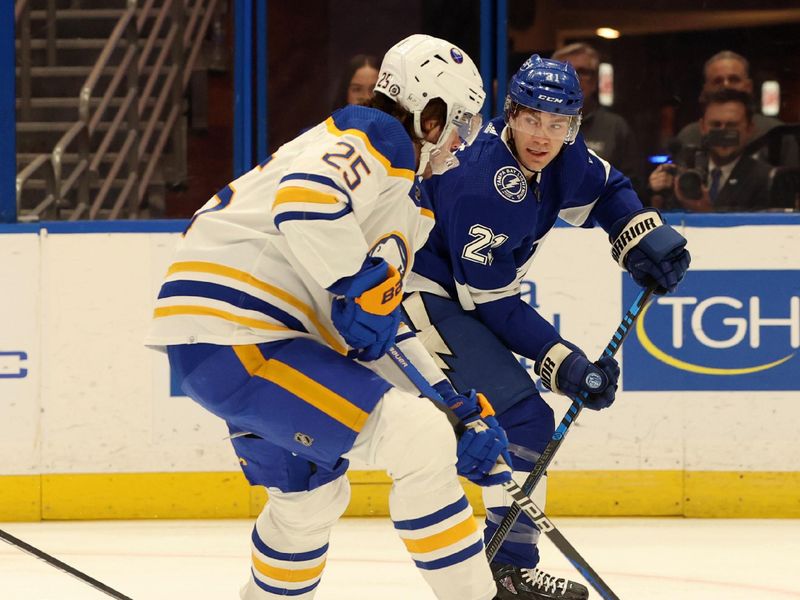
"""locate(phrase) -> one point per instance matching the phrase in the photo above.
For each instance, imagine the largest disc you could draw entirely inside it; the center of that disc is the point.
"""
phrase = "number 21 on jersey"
(479, 250)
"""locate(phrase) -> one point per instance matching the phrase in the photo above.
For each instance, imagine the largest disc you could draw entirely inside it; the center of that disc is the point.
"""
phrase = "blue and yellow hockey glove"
(483, 440)
(368, 315)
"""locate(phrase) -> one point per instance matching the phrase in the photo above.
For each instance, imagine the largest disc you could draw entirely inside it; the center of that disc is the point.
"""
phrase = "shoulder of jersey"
(494, 172)
(382, 132)
(577, 152)
(579, 171)
(488, 141)
(487, 149)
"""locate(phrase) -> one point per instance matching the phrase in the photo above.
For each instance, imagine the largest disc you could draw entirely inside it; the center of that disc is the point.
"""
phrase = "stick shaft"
(54, 562)
(521, 499)
(569, 551)
(561, 431)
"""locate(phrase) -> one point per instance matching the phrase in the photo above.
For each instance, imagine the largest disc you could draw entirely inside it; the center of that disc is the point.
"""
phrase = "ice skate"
(515, 583)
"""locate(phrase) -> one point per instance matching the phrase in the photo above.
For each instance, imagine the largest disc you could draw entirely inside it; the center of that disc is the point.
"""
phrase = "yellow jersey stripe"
(287, 575)
(426, 212)
(293, 381)
(207, 311)
(394, 171)
(301, 194)
(215, 269)
(444, 538)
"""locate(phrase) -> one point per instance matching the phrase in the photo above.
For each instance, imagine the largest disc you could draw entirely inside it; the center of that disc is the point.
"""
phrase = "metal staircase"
(101, 107)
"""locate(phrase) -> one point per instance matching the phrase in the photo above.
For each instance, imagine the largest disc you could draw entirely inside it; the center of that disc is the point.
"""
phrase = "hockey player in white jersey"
(281, 302)
(526, 169)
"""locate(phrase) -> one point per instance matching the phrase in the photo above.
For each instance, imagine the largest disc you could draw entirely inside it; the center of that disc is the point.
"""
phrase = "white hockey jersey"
(255, 261)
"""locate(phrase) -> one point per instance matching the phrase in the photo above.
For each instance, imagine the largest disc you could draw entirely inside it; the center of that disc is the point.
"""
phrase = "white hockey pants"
(410, 439)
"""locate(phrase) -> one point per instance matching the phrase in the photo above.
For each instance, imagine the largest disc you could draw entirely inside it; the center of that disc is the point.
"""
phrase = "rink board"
(705, 424)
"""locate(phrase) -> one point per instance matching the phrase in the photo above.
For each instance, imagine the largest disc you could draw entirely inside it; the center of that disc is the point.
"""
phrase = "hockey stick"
(521, 499)
(53, 561)
(569, 418)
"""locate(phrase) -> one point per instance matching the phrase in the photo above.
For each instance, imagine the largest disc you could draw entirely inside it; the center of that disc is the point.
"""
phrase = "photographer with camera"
(715, 176)
(729, 70)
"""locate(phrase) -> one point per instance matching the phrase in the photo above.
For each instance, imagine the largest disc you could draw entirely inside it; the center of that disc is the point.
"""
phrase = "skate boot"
(515, 583)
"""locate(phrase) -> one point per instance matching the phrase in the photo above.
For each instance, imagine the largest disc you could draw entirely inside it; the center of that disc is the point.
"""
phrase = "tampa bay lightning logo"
(510, 184)
(457, 56)
(594, 381)
(392, 248)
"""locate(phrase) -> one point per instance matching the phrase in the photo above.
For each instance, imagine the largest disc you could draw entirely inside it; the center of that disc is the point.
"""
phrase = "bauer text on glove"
(368, 315)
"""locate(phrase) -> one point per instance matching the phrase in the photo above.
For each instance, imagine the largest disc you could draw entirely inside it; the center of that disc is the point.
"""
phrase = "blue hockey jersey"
(491, 219)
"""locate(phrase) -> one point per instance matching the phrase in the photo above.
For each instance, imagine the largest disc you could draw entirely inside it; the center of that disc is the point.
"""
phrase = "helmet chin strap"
(424, 156)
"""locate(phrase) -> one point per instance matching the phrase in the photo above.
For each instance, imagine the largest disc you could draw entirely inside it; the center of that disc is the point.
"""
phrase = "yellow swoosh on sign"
(659, 354)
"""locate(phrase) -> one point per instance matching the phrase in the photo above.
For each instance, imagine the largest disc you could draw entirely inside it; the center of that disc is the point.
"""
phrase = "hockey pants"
(411, 440)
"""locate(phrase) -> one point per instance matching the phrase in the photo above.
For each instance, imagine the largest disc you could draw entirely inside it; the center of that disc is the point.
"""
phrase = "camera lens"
(690, 183)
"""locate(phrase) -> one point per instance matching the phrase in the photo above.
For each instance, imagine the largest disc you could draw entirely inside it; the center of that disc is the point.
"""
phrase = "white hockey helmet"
(421, 68)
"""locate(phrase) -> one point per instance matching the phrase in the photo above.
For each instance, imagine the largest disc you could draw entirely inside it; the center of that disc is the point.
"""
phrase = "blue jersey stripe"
(224, 196)
(404, 336)
(232, 296)
(305, 215)
(452, 559)
(284, 591)
(321, 179)
(433, 518)
(295, 556)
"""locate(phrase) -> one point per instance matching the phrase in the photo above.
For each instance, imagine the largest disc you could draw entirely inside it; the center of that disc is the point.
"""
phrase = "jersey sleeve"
(419, 356)
(491, 254)
(358, 161)
(597, 193)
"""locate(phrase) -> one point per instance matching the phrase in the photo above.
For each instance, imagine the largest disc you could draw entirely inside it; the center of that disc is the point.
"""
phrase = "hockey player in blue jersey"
(525, 170)
(281, 303)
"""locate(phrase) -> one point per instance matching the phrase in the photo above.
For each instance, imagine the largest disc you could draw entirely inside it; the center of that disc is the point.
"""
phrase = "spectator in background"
(731, 182)
(729, 70)
(604, 131)
(358, 81)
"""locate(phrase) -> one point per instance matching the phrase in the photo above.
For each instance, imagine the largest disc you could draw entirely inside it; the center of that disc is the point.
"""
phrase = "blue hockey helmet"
(549, 86)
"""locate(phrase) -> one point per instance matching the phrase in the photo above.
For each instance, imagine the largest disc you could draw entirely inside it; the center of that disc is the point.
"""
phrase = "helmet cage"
(440, 155)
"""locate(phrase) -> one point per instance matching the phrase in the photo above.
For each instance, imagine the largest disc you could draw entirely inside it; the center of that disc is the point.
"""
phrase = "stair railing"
(83, 130)
(48, 205)
(178, 52)
(180, 38)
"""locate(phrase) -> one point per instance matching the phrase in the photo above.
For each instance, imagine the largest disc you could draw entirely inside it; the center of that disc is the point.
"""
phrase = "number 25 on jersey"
(349, 159)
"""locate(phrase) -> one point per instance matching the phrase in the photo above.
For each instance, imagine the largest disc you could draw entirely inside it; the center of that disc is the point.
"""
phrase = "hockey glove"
(651, 251)
(565, 370)
(482, 443)
(368, 315)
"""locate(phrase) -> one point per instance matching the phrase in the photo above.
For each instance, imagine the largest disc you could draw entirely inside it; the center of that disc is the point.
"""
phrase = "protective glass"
(442, 157)
(553, 126)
